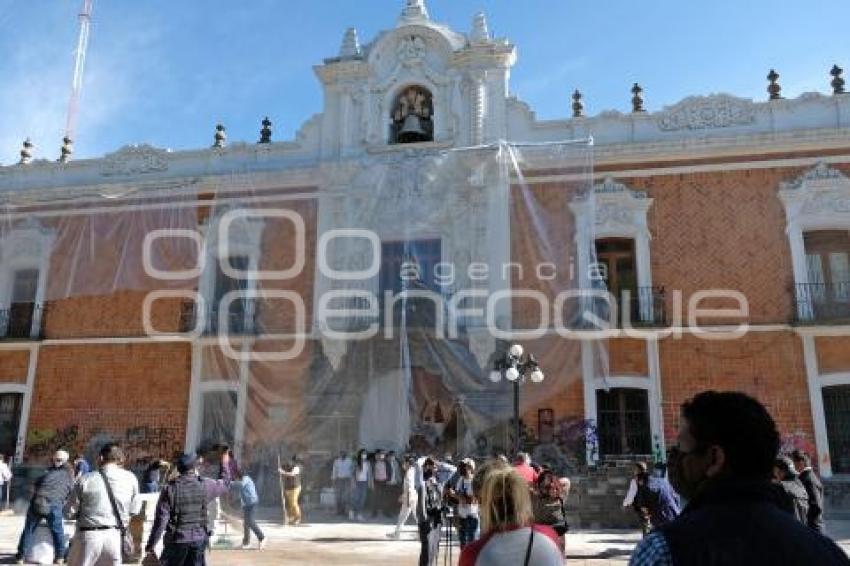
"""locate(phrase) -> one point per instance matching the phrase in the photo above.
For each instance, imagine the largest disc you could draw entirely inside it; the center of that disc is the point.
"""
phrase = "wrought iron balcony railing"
(241, 320)
(22, 321)
(822, 302)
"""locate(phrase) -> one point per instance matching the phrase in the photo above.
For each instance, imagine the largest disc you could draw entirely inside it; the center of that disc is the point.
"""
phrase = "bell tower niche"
(412, 116)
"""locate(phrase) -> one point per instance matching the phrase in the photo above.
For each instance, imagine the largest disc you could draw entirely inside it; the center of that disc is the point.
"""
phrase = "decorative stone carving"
(821, 194)
(706, 112)
(617, 208)
(411, 49)
(414, 10)
(350, 48)
(825, 203)
(820, 172)
(773, 88)
(610, 213)
(135, 160)
(480, 33)
(610, 186)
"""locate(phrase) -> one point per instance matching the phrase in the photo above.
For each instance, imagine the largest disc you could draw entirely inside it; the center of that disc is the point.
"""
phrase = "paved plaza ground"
(326, 540)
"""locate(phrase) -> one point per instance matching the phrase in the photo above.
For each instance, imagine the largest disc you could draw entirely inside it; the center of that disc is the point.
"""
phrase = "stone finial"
(578, 106)
(66, 150)
(220, 136)
(837, 82)
(480, 32)
(414, 10)
(350, 47)
(637, 99)
(266, 131)
(773, 89)
(26, 152)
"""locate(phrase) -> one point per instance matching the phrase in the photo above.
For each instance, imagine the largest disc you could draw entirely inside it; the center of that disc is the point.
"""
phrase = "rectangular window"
(836, 408)
(236, 316)
(410, 266)
(615, 258)
(623, 422)
(218, 418)
(22, 307)
(827, 291)
(10, 421)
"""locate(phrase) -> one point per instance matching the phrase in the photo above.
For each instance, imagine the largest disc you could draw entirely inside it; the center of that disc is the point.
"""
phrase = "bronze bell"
(411, 130)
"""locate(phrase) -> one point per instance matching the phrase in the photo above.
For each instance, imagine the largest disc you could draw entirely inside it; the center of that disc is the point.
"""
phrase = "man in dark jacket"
(797, 500)
(182, 513)
(723, 464)
(51, 492)
(813, 486)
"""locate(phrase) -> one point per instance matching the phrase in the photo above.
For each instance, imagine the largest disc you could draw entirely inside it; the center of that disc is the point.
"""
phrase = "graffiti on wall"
(141, 444)
(41, 443)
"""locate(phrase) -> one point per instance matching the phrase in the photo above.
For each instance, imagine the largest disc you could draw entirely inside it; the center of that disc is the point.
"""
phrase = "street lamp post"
(516, 366)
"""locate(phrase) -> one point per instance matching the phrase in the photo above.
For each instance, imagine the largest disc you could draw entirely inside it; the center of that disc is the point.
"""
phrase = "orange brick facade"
(724, 230)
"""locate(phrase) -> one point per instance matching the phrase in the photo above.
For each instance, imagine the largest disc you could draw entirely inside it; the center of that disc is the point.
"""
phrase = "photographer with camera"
(429, 512)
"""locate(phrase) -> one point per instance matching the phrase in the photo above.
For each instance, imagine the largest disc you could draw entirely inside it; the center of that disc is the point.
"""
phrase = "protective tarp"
(368, 310)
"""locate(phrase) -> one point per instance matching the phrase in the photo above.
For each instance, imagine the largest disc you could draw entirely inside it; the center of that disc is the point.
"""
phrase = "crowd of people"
(726, 496)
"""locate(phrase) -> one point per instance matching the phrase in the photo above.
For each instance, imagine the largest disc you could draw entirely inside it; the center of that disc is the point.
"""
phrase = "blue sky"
(165, 71)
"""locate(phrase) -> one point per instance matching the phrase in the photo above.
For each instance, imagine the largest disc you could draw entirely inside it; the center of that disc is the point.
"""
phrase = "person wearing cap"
(97, 539)
(51, 491)
(181, 513)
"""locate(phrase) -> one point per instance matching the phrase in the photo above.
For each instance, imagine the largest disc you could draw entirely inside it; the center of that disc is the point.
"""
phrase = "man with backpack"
(181, 513)
(48, 500)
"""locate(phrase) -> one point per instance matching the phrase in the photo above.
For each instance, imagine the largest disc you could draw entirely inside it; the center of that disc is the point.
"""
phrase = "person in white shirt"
(97, 539)
(343, 468)
(5, 482)
(409, 496)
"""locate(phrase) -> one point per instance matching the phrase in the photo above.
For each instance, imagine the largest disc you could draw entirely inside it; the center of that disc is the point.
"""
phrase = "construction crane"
(77, 81)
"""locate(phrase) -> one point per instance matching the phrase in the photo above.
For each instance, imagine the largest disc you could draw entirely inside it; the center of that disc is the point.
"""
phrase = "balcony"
(22, 321)
(822, 303)
(237, 322)
(643, 308)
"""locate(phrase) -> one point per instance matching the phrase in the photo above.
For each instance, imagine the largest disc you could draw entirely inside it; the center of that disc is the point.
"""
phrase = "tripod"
(447, 536)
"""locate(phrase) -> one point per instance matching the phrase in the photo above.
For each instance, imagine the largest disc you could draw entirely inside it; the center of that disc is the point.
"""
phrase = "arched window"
(412, 116)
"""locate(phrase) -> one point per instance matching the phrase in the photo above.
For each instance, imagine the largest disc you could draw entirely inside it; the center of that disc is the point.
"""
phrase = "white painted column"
(656, 412)
(816, 401)
(193, 416)
(589, 381)
(644, 275)
(801, 275)
(242, 397)
(26, 405)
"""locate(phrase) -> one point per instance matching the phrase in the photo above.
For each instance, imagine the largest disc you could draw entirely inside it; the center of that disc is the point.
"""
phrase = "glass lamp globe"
(537, 376)
(512, 374)
(495, 376)
(516, 350)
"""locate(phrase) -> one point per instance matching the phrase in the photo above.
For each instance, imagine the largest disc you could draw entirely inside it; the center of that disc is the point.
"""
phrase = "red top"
(469, 554)
(527, 472)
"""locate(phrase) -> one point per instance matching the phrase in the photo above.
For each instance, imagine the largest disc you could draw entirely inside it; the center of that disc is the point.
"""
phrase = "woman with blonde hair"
(509, 536)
